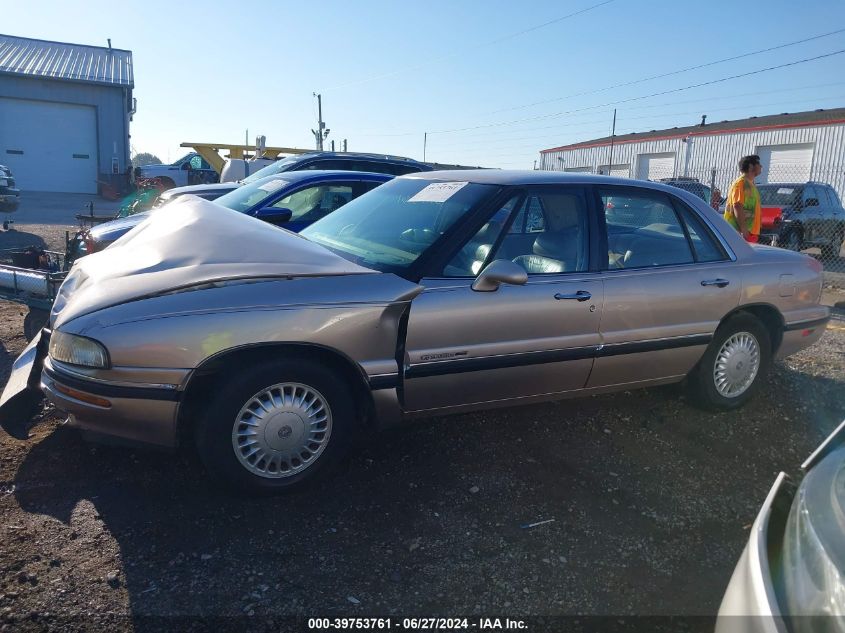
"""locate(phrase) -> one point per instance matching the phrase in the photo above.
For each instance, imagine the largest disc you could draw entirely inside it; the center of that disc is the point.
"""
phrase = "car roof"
(370, 156)
(786, 184)
(515, 177)
(306, 175)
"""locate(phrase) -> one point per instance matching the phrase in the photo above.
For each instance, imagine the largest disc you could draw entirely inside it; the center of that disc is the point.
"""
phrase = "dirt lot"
(651, 501)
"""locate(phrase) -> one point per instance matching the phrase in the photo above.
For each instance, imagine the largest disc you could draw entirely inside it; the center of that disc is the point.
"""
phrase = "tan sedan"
(434, 293)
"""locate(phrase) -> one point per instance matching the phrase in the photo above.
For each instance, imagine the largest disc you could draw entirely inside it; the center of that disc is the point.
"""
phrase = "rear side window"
(643, 230)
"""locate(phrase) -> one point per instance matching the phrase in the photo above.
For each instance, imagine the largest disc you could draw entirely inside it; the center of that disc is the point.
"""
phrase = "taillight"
(816, 265)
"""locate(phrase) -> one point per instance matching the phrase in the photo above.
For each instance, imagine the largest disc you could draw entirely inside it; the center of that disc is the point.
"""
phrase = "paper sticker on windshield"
(438, 192)
(785, 191)
(273, 185)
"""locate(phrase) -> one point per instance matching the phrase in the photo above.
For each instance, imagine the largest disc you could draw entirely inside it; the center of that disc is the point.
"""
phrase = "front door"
(465, 347)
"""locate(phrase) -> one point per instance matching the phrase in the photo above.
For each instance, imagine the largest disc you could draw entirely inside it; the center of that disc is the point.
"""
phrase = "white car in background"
(191, 169)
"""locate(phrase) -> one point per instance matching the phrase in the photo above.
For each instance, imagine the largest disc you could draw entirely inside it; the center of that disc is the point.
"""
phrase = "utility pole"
(612, 135)
(344, 145)
(322, 132)
(425, 142)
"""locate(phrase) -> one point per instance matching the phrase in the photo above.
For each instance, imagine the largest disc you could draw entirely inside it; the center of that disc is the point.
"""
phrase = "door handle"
(581, 295)
(720, 283)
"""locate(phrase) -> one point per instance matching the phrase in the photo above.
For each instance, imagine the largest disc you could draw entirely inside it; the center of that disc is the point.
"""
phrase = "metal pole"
(320, 122)
(425, 142)
(344, 145)
(332, 144)
(612, 135)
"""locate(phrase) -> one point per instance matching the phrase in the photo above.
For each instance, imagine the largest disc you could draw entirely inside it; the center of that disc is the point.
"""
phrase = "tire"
(831, 251)
(34, 321)
(741, 330)
(793, 241)
(227, 419)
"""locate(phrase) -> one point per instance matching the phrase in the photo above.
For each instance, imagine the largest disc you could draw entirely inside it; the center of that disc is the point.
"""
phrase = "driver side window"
(312, 203)
(547, 234)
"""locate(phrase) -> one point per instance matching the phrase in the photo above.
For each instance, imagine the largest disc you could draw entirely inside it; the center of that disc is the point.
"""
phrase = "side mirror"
(274, 215)
(185, 166)
(498, 272)
(812, 202)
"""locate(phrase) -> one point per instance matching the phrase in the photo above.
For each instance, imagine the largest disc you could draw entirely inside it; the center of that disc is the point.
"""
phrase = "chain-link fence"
(801, 206)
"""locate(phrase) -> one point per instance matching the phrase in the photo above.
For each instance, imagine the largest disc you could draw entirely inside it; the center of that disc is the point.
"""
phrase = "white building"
(793, 147)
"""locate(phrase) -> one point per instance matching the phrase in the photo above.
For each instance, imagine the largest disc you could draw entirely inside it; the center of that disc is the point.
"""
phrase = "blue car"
(292, 200)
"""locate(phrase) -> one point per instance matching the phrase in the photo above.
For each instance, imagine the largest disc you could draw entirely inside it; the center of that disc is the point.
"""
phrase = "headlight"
(814, 556)
(77, 350)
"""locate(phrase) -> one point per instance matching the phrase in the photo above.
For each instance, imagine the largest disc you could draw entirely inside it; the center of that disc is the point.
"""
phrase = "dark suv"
(689, 184)
(344, 161)
(803, 215)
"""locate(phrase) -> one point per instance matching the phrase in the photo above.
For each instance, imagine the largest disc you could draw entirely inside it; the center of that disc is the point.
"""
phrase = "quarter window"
(643, 230)
(704, 245)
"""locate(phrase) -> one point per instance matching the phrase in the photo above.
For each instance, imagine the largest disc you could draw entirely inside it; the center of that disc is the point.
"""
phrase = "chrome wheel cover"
(737, 364)
(282, 430)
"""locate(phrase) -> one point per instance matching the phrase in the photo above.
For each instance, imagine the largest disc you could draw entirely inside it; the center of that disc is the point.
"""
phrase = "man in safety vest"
(742, 209)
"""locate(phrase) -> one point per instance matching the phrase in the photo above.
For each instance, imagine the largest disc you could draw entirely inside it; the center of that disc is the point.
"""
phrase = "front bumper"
(125, 408)
(750, 604)
(143, 414)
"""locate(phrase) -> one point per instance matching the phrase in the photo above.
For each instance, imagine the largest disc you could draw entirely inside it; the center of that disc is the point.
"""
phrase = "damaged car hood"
(195, 242)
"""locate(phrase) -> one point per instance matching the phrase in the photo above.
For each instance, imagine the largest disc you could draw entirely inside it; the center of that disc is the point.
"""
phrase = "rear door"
(465, 348)
(668, 282)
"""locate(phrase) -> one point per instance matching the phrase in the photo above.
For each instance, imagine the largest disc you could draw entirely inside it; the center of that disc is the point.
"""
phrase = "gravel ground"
(648, 502)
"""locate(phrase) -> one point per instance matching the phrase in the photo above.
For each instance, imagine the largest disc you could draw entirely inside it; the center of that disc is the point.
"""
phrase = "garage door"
(619, 170)
(786, 163)
(49, 146)
(656, 166)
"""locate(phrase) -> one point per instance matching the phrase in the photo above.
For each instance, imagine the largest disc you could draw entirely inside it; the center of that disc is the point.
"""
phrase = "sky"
(486, 83)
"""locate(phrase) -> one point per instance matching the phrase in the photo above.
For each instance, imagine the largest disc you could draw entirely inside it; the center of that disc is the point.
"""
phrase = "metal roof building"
(793, 147)
(64, 114)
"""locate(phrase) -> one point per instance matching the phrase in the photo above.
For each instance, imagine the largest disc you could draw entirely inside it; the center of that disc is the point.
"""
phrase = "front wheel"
(276, 426)
(734, 365)
(34, 321)
(793, 242)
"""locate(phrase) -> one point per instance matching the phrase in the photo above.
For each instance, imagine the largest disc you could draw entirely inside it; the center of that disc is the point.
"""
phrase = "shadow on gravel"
(647, 503)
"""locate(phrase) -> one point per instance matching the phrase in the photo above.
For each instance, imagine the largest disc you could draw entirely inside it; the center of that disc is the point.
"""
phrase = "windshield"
(779, 195)
(284, 164)
(390, 227)
(246, 197)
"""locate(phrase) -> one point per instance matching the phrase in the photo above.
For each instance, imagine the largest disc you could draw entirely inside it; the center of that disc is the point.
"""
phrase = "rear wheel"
(734, 365)
(277, 426)
(832, 250)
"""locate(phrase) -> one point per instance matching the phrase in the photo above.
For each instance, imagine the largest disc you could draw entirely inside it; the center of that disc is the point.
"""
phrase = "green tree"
(145, 158)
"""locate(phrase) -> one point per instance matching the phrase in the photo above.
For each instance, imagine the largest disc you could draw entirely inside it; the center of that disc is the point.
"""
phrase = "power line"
(624, 119)
(672, 73)
(470, 48)
(721, 97)
(641, 97)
